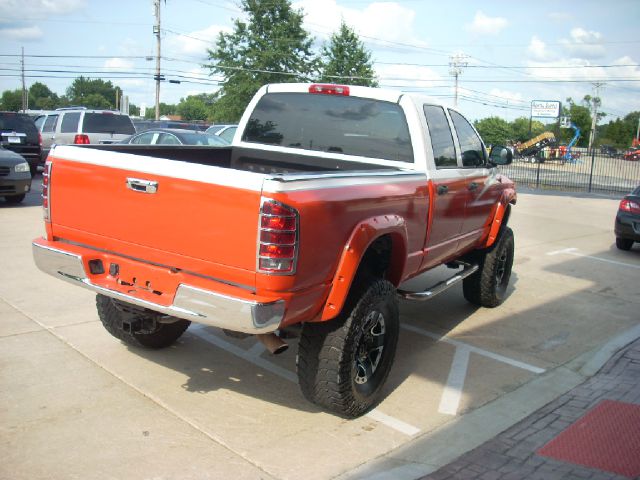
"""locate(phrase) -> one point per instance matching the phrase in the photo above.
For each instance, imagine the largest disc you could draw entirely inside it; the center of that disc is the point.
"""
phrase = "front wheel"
(343, 364)
(488, 286)
(137, 326)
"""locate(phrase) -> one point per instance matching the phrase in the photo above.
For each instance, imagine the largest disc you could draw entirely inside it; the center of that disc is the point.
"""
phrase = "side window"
(473, 154)
(444, 152)
(39, 121)
(50, 124)
(70, 122)
(143, 139)
(168, 139)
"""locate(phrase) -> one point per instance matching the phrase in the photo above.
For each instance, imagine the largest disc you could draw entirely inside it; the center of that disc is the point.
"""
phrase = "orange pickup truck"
(328, 199)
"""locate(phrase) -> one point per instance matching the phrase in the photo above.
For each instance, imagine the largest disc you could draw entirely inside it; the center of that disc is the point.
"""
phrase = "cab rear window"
(331, 123)
(107, 123)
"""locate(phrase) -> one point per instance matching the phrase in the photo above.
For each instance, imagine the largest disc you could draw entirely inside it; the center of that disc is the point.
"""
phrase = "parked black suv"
(19, 134)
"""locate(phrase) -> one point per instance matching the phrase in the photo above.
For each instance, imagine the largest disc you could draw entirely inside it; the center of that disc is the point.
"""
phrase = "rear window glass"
(17, 122)
(331, 123)
(107, 123)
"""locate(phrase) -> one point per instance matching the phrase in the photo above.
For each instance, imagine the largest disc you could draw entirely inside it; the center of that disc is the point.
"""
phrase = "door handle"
(143, 186)
(473, 186)
(442, 189)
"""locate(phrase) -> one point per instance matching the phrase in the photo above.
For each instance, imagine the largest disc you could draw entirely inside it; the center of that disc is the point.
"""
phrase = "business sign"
(545, 108)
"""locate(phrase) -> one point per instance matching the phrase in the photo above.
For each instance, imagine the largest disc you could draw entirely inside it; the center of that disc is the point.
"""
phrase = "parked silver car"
(78, 125)
(224, 131)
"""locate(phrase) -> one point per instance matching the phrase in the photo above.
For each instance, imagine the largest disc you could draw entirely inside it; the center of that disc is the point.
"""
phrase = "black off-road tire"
(624, 243)
(488, 286)
(340, 364)
(15, 199)
(118, 319)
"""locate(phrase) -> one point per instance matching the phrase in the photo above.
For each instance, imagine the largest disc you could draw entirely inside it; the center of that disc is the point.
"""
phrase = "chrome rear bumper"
(190, 303)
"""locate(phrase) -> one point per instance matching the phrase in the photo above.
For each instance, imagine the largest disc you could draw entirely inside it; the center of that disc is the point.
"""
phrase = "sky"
(511, 53)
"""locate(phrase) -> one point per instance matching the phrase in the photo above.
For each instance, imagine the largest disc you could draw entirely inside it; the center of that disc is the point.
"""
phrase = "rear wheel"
(138, 326)
(343, 364)
(488, 286)
(624, 243)
(15, 199)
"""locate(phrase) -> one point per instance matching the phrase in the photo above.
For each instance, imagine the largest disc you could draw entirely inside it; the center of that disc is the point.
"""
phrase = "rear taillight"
(81, 139)
(278, 238)
(46, 191)
(329, 89)
(630, 206)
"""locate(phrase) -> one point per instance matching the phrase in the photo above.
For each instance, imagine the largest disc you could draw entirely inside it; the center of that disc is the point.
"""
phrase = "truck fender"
(365, 233)
(500, 216)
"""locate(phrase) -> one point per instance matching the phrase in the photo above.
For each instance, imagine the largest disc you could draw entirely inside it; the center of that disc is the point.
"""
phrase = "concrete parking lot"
(76, 403)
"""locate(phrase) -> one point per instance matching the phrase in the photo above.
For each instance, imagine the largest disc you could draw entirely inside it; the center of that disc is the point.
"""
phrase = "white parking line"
(393, 423)
(200, 331)
(479, 351)
(575, 253)
(450, 400)
(452, 394)
(252, 356)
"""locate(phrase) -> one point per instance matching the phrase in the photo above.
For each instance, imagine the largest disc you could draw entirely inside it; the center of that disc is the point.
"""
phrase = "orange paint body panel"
(204, 228)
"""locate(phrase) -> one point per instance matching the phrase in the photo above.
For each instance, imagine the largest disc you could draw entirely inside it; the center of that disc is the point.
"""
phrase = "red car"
(632, 154)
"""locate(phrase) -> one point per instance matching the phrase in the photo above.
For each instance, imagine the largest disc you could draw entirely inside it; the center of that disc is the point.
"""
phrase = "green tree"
(269, 47)
(581, 117)
(165, 109)
(42, 98)
(195, 107)
(520, 129)
(346, 60)
(494, 130)
(83, 89)
(11, 100)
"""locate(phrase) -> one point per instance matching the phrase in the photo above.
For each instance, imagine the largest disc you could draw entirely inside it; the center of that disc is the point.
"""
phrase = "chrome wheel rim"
(370, 348)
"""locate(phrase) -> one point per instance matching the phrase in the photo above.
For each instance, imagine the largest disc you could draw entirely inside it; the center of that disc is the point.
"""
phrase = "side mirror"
(500, 155)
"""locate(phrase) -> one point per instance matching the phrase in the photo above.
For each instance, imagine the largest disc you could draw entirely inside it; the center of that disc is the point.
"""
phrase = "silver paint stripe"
(226, 176)
(160, 166)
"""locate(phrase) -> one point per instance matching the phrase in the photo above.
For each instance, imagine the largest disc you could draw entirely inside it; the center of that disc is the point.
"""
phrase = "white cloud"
(22, 33)
(197, 42)
(323, 19)
(18, 9)
(584, 44)
(484, 25)
(537, 49)
(506, 95)
(560, 17)
(118, 64)
(407, 76)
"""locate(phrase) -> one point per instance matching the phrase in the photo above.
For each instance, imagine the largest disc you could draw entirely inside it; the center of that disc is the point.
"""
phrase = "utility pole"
(457, 62)
(595, 103)
(25, 94)
(156, 31)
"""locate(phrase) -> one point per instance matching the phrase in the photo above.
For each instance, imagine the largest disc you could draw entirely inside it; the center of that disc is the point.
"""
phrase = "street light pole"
(457, 62)
(156, 31)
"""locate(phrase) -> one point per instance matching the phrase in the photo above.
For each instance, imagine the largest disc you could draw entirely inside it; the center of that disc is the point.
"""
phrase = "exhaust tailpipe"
(272, 342)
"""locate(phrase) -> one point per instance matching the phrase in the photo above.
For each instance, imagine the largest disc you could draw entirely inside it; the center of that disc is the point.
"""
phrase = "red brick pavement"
(515, 453)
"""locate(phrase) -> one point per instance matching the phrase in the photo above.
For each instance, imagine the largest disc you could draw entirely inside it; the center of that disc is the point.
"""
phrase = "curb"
(439, 447)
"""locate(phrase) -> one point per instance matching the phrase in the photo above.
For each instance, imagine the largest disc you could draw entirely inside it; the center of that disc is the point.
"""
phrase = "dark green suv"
(19, 134)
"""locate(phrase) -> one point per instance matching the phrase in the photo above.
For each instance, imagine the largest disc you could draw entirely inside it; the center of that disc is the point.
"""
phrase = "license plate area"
(140, 280)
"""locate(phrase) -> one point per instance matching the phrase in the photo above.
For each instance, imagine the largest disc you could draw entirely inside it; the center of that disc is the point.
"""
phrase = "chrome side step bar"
(468, 269)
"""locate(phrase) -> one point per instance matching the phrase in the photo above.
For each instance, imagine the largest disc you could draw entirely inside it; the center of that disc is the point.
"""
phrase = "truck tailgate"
(162, 211)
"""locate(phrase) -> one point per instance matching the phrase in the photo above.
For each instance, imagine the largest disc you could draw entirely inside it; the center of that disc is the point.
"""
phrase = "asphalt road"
(76, 403)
